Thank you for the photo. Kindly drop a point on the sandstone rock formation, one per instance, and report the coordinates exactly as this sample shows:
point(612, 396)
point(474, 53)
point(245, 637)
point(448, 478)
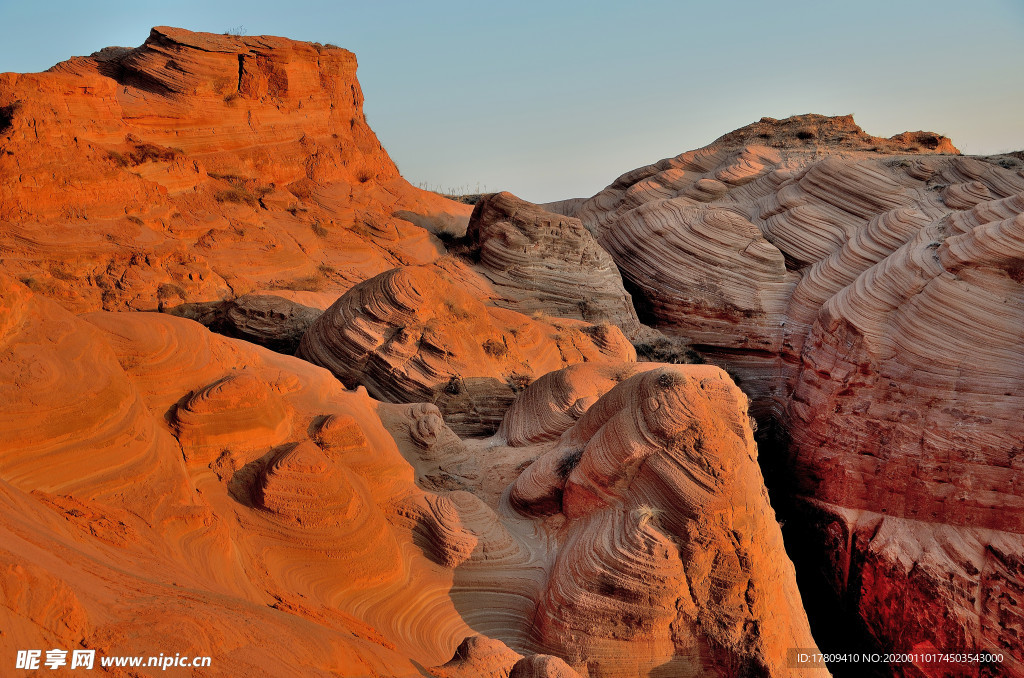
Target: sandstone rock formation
point(668, 539)
point(199, 494)
point(269, 320)
point(414, 334)
point(867, 294)
point(249, 543)
point(505, 491)
point(199, 167)
point(538, 261)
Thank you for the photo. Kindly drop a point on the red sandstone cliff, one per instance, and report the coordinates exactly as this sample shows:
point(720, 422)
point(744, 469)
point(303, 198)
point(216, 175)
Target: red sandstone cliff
point(200, 167)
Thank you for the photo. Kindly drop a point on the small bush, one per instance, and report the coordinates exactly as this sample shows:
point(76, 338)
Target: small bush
point(666, 349)
point(517, 382)
point(152, 152)
point(119, 159)
point(242, 190)
point(307, 284)
point(236, 195)
point(143, 153)
point(7, 115)
point(318, 229)
point(457, 311)
point(495, 348)
point(169, 291)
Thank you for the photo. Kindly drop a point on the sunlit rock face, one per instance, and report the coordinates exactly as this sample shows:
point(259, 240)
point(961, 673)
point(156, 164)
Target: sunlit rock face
point(465, 471)
point(201, 167)
point(867, 293)
point(416, 334)
point(296, 512)
point(669, 540)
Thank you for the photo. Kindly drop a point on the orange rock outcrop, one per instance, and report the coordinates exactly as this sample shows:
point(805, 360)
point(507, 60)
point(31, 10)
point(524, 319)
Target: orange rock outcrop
point(415, 334)
point(200, 167)
point(157, 477)
point(484, 481)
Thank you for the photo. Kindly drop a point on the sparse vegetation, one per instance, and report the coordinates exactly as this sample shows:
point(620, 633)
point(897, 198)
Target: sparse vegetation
point(454, 386)
point(466, 194)
point(666, 349)
point(318, 229)
point(34, 284)
point(170, 291)
point(456, 310)
point(242, 190)
point(143, 153)
point(236, 195)
point(310, 283)
point(517, 382)
point(495, 348)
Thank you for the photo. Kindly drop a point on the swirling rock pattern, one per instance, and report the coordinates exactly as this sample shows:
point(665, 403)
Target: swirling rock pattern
point(412, 334)
point(556, 401)
point(199, 167)
point(266, 319)
point(260, 516)
point(867, 294)
point(299, 517)
point(670, 542)
point(538, 261)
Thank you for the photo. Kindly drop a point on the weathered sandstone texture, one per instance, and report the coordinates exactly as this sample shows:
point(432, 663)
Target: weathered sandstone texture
point(415, 334)
point(200, 167)
point(269, 320)
point(669, 541)
point(163, 486)
point(539, 261)
point(867, 294)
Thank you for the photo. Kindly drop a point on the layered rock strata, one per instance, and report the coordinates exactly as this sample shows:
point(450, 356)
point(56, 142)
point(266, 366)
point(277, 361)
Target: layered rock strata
point(199, 167)
point(415, 334)
point(867, 294)
point(193, 492)
point(538, 261)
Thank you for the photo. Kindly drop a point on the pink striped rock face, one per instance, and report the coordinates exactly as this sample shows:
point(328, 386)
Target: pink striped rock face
point(867, 294)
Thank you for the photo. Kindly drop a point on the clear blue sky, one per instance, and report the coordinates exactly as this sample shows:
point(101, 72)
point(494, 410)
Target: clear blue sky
point(555, 99)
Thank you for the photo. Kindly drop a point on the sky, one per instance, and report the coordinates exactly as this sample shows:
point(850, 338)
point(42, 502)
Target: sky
point(553, 100)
